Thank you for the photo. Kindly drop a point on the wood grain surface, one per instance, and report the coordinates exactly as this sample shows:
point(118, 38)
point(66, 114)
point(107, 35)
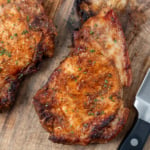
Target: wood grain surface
point(20, 128)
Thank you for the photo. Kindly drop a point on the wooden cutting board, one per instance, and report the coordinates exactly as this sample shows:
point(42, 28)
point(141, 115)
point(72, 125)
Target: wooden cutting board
point(20, 128)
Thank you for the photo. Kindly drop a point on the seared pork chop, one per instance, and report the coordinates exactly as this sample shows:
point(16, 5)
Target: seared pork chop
point(25, 35)
point(82, 100)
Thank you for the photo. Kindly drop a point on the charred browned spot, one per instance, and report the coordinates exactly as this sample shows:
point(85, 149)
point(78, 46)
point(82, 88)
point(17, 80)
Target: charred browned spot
point(63, 139)
point(83, 13)
point(97, 131)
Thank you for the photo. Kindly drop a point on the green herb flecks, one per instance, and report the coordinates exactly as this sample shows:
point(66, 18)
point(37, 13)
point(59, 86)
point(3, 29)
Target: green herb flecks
point(111, 98)
point(85, 125)
point(11, 37)
point(109, 75)
point(28, 19)
point(91, 32)
point(95, 100)
point(20, 76)
point(15, 34)
point(112, 19)
point(95, 25)
point(25, 32)
point(106, 81)
point(18, 8)
point(92, 50)
point(90, 114)
point(16, 62)
point(102, 112)
point(115, 41)
point(102, 98)
point(105, 85)
point(80, 69)
point(5, 52)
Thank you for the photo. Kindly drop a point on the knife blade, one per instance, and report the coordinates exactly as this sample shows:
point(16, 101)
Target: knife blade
point(140, 132)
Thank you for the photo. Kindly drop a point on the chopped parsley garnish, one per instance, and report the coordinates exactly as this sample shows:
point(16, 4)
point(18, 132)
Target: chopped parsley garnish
point(115, 40)
point(15, 34)
point(102, 112)
point(91, 114)
point(25, 32)
point(59, 70)
point(18, 8)
point(5, 52)
point(85, 125)
point(75, 80)
point(2, 42)
point(91, 32)
point(16, 62)
point(80, 69)
point(106, 81)
point(20, 76)
point(92, 50)
point(11, 37)
point(8, 1)
point(28, 19)
point(85, 72)
point(95, 100)
point(102, 97)
point(72, 132)
point(109, 75)
point(95, 25)
point(85, 103)
point(111, 98)
point(112, 19)
point(105, 85)
point(94, 62)
point(8, 54)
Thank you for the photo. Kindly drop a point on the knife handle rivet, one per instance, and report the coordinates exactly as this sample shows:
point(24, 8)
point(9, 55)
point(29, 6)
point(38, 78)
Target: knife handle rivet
point(134, 142)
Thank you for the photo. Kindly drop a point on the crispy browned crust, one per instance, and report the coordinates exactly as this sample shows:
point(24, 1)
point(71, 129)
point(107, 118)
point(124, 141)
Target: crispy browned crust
point(107, 17)
point(81, 102)
point(35, 26)
point(88, 8)
point(34, 8)
point(102, 132)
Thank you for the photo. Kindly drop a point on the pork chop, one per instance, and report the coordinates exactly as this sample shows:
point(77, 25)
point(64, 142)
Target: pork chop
point(25, 35)
point(82, 100)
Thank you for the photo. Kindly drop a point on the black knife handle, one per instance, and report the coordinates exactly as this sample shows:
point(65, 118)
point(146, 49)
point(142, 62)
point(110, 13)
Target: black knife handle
point(137, 137)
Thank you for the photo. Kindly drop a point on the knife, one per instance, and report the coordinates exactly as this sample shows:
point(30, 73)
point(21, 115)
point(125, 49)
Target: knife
point(140, 132)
